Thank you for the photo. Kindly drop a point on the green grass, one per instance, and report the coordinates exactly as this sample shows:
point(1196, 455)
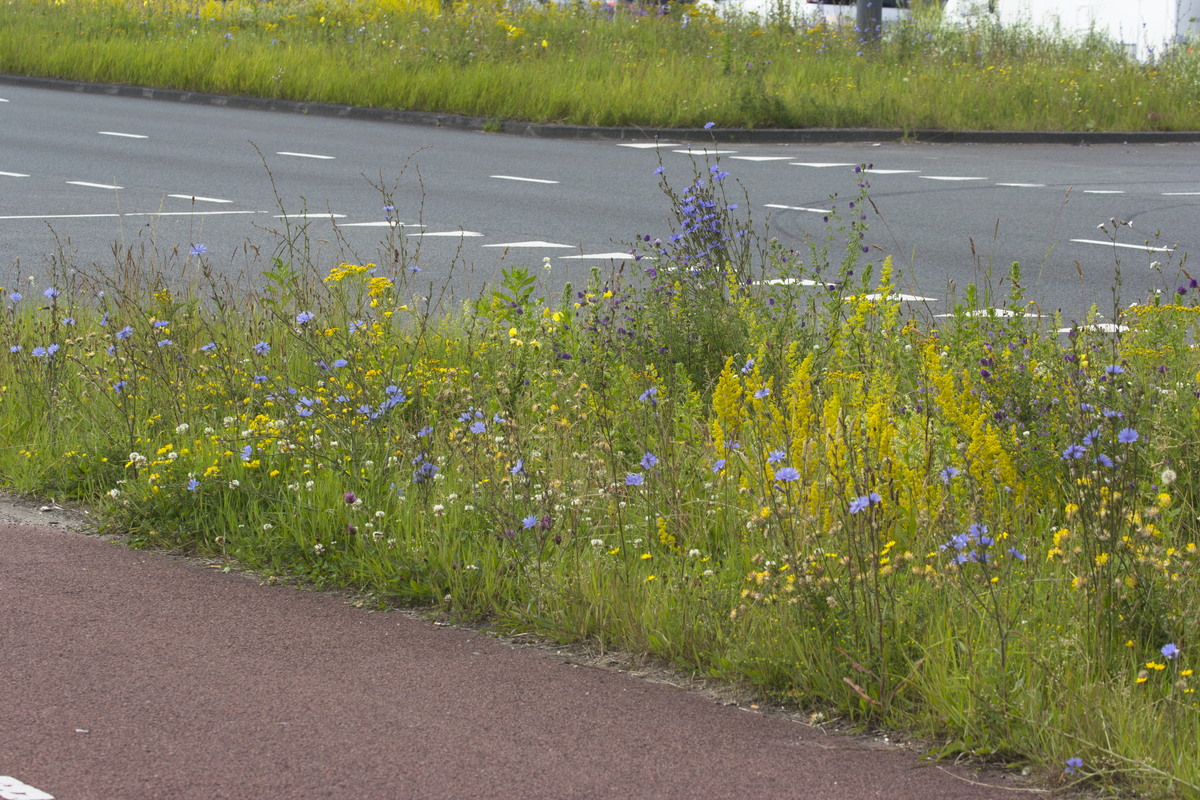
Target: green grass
point(587, 66)
point(976, 529)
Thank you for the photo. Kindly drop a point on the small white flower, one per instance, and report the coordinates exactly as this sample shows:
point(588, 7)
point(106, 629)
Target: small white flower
point(318, 548)
point(377, 535)
point(438, 508)
point(595, 542)
point(380, 515)
point(172, 455)
point(391, 543)
point(181, 428)
point(309, 485)
point(208, 431)
point(694, 553)
point(708, 573)
point(114, 493)
point(468, 507)
point(234, 484)
point(229, 421)
point(267, 526)
point(1168, 477)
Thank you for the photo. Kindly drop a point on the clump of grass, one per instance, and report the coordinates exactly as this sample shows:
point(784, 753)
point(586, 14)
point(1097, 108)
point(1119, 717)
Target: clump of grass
point(979, 528)
point(587, 64)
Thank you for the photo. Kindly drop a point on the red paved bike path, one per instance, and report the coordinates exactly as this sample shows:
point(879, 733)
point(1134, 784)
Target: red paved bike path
point(127, 674)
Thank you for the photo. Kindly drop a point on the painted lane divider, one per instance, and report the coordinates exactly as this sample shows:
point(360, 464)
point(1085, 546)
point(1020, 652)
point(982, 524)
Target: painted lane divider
point(465, 234)
point(305, 155)
point(760, 158)
point(648, 145)
point(13, 789)
point(1145, 248)
point(132, 214)
point(705, 151)
point(892, 171)
point(1103, 191)
point(515, 178)
point(59, 216)
point(305, 216)
point(612, 256)
point(950, 178)
point(383, 223)
point(95, 185)
point(801, 208)
point(529, 244)
point(1165, 194)
point(1023, 185)
point(821, 164)
point(14, 174)
point(199, 199)
point(2, 100)
point(125, 135)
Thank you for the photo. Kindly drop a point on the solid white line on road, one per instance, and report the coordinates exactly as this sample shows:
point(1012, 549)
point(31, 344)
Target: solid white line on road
point(892, 171)
point(529, 244)
point(381, 224)
point(1103, 191)
point(303, 216)
point(950, 178)
point(188, 213)
point(1165, 194)
point(13, 789)
point(820, 164)
point(14, 174)
point(648, 145)
point(125, 135)
point(95, 185)
point(761, 158)
point(613, 256)
point(515, 178)
point(198, 198)
point(801, 208)
point(1145, 248)
point(447, 233)
point(1023, 185)
point(305, 155)
point(60, 216)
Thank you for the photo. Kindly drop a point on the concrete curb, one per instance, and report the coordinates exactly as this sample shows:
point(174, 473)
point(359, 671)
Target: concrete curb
point(539, 131)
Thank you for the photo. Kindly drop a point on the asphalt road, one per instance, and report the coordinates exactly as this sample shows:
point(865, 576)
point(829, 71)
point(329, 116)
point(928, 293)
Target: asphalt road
point(132, 675)
point(485, 200)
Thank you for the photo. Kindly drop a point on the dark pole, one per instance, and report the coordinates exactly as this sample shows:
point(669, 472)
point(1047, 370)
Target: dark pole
point(870, 19)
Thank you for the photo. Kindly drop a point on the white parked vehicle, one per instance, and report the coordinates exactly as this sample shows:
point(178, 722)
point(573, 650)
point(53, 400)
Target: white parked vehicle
point(1144, 27)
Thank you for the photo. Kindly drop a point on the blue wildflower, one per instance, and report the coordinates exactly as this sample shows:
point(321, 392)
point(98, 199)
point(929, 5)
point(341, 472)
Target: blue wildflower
point(634, 479)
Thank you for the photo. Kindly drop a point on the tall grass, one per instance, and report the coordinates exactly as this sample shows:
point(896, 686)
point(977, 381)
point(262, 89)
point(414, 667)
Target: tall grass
point(591, 65)
point(755, 463)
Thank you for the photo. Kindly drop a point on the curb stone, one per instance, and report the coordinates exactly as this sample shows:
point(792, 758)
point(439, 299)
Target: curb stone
point(550, 131)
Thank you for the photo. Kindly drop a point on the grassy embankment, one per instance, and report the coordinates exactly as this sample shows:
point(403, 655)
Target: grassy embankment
point(982, 530)
point(589, 66)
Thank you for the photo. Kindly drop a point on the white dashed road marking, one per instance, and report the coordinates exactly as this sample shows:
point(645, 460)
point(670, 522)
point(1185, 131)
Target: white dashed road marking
point(447, 233)
point(1103, 191)
point(613, 256)
point(2, 100)
point(199, 199)
point(760, 158)
point(125, 135)
point(13, 789)
point(1145, 248)
point(705, 151)
point(801, 208)
point(187, 213)
point(529, 244)
point(950, 178)
point(14, 174)
point(303, 216)
point(95, 185)
point(892, 171)
point(515, 178)
point(1165, 194)
point(60, 216)
point(1023, 185)
point(305, 155)
point(820, 164)
point(381, 224)
point(648, 145)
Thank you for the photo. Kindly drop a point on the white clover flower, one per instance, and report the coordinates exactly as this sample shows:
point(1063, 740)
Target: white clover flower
point(234, 484)
point(468, 507)
point(438, 508)
point(376, 536)
point(309, 485)
point(1168, 476)
point(380, 515)
point(694, 553)
point(595, 542)
point(172, 455)
point(208, 431)
point(229, 421)
point(708, 573)
point(267, 526)
point(318, 548)
point(114, 493)
point(182, 428)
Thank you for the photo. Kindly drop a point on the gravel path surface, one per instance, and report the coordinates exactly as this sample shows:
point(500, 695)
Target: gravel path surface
point(127, 674)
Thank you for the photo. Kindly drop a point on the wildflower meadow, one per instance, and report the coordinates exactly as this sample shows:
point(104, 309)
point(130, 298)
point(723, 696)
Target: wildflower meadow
point(618, 63)
point(758, 464)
